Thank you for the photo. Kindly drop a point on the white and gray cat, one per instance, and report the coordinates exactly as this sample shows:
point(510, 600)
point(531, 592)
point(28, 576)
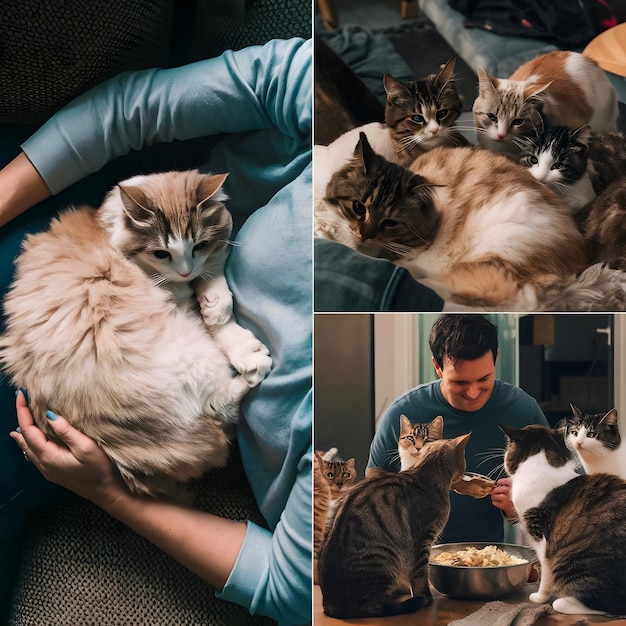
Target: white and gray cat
point(565, 87)
point(595, 438)
point(102, 328)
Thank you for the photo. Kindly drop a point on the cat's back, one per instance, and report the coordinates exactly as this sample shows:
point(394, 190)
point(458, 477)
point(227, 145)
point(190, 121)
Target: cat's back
point(578, 91)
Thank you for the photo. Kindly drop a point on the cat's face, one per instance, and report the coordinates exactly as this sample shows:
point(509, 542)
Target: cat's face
point(422, 113)
point(592, 434)
point(380, 208)
point(413, 437)
point(525, 443)
point(338, 474)
point(173, 225)
point(506, 110)
point(557, 156)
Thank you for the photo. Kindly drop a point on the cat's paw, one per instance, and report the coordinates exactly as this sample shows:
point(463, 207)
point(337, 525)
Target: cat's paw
point(252, 360)
point(539, 597)
point(216, 307)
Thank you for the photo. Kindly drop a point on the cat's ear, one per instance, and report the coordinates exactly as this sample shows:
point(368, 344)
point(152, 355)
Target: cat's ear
point(364, 152)
point(395, 90)
point(460, 443)
point(405, 425)
point(209, 186)
point(583, 135)
point(486, 82)
point(577, 412)
point(610, 419)
point(511, 432)
point(536, 92)
point(135, 204)
point(435, 428)
point(446, 74)
point(351, 464)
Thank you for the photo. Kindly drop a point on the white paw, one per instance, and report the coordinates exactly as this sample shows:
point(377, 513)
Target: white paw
point(538, 597)
point(216, 307)
point(252, 360)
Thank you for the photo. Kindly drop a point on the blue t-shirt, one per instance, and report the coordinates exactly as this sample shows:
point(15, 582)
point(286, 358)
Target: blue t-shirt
point(470, 519)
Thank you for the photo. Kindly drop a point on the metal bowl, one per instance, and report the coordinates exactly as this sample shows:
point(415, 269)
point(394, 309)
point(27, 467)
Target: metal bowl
point(480, 583)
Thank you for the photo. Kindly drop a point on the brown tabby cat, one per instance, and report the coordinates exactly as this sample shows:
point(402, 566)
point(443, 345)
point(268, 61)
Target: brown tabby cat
point(331, 479)
point(604, 229)
point(413, 437)
point(576, 523)
point(373, 561)
point(421, 115)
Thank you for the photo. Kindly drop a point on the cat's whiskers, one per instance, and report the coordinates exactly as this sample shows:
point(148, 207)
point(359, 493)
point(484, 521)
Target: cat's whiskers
point(159, 279)
point(412, 230)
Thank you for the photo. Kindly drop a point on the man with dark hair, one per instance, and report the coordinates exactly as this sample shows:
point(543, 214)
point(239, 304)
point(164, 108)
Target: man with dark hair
point(470, 399)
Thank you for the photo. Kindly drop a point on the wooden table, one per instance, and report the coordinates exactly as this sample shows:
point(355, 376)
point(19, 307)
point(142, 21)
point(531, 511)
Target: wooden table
point(445, 610)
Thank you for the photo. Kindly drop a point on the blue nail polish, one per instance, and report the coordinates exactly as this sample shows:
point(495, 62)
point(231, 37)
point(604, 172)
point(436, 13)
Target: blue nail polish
point(51, 415)
point(24, 392)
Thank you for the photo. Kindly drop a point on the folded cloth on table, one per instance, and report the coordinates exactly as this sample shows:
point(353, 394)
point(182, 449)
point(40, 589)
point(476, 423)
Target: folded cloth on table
point(499, 613)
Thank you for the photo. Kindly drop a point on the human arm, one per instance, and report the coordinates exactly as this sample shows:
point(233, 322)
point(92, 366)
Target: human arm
point(21, 187)
point(206, 544)
point(384, 446)
point(263, 87)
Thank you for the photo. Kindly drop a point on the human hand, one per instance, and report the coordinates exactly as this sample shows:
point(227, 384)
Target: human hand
point(80, 465)
point(501, 498)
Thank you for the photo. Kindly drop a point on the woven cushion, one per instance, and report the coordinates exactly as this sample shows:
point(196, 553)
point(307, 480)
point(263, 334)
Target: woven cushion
point(83, 568)
point(52, 51)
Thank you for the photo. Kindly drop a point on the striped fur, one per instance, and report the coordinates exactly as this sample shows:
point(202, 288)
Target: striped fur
point(414, 436)
point(373, 561)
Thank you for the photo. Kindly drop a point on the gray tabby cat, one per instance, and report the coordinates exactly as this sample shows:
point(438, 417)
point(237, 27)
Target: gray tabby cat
point(374, 559)
point(576, 524)
point(101, 328)
point(596, 440)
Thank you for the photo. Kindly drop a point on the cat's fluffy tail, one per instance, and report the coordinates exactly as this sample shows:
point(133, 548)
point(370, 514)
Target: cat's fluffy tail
point(598, 288)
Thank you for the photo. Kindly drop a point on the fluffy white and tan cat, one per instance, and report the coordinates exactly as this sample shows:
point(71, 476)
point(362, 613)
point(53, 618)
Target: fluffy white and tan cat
point(91, 335)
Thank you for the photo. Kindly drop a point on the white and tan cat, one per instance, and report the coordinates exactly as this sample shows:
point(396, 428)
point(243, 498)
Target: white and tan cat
point(101, 328)
point(567, 88)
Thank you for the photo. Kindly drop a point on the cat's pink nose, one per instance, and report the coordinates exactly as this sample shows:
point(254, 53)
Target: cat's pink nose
point(183, 275)
point(435, 130)
point(501, 136)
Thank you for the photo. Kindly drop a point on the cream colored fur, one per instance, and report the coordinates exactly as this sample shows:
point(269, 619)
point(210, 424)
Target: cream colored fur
point(91, 337)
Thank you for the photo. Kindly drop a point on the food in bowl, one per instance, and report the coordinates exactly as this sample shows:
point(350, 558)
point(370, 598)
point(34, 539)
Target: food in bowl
point(471, 556)
point(491, 582)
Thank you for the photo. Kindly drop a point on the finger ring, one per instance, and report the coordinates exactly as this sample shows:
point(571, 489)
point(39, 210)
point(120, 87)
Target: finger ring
point(25, 453)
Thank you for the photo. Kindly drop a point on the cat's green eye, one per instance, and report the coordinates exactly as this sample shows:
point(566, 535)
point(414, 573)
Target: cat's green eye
point(162, 254)
point(418, 118)
point(359, 208)
point(518, 121)
point(557, 166)
point(441, 115)
point(200, 246)
point(534, 160)
point(591, 434)
point(492, 117)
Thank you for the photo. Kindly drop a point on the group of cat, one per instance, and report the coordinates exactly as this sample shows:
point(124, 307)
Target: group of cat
point(121, 321)
point(532, 218)
point(373, 543)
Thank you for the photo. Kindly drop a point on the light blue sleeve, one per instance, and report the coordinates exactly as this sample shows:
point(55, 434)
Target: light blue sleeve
point(251, 89)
